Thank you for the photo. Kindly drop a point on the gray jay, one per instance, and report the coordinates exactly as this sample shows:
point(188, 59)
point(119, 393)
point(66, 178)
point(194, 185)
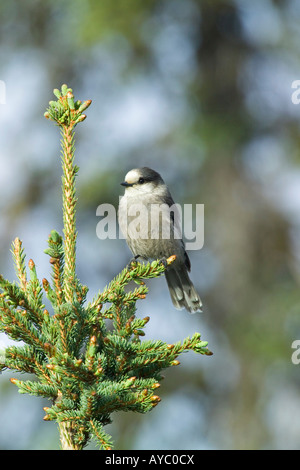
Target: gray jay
point(149, 220)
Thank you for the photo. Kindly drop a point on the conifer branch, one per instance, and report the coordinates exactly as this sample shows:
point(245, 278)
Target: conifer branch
point(89, 360)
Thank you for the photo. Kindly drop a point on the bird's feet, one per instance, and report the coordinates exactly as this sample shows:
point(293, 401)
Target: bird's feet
point(133, 262)
point(164, 262)
point(167, 261)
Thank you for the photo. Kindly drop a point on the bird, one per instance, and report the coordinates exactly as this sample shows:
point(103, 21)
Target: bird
point(149, 221)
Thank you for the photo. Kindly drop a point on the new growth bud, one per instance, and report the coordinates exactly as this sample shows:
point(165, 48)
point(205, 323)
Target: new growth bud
point(31, 264)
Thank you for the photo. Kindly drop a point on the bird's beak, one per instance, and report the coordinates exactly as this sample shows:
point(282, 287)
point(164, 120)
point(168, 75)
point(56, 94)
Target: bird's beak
point(126, 184)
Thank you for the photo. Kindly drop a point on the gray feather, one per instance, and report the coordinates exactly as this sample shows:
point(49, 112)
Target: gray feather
point(182, 290)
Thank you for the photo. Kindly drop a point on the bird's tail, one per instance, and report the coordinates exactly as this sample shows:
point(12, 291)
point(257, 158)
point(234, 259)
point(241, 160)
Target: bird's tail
point(182, 290)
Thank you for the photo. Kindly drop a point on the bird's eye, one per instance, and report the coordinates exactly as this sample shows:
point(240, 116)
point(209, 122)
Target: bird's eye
point(141, 181)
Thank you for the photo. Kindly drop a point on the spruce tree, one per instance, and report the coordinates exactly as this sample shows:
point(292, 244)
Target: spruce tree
point(88, 358)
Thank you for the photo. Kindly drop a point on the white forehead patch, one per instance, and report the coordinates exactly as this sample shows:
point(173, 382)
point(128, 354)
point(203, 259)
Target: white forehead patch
point(132, 176)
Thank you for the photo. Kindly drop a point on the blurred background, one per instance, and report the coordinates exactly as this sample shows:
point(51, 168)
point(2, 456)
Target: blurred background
point(201, 92)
